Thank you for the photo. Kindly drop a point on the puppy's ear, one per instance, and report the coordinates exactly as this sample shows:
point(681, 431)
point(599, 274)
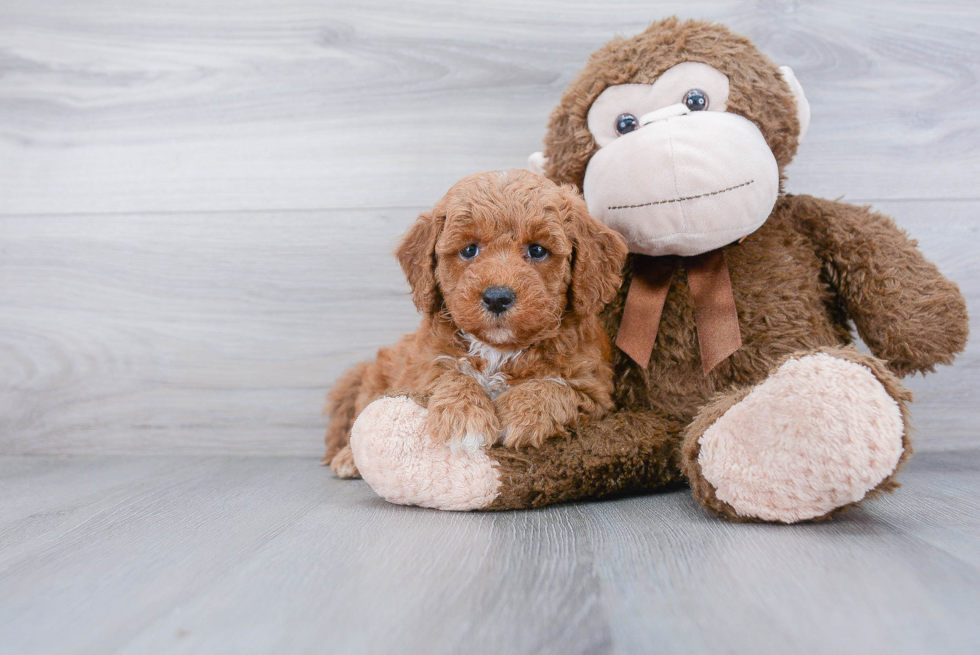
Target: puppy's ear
point(417, 255)
point(598, 258)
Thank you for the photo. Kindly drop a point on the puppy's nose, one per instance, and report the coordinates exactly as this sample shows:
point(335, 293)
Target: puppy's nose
point(498, 299)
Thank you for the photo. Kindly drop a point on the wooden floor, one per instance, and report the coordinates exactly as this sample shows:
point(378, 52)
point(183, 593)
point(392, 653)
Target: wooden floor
point(272, 555)
point(198, 205)
point(199, 200)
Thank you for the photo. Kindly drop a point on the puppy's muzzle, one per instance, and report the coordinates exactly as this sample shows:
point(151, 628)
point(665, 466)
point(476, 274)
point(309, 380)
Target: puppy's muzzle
point(498, 300)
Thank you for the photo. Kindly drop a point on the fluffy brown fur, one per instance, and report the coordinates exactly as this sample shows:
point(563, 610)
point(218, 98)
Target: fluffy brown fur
point(757, 91)
point(522, 376)
point(816, 270)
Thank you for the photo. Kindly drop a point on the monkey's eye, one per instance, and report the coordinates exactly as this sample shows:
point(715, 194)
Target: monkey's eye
point(626, 123)
point(696, 100)
point(470, 251)
point(534, 251)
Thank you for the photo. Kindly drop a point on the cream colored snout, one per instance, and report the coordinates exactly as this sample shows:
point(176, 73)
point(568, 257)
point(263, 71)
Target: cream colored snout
point(684, 182)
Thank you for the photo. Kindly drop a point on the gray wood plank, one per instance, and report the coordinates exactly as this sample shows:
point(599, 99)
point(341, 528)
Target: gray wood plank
point(220, 333)
point(41, 499)
point(356, 570)
point(945, 510)
point(243, 555)
point(221, 105)
point(224, 331)
point(179, 528)
point(405, 580)
point(849, 586)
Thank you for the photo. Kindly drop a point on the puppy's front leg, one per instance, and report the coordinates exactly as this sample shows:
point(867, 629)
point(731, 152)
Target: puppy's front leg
point(461, 414)
point(535, 410)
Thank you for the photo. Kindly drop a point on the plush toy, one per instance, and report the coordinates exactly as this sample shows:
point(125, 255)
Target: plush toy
point(735, 369)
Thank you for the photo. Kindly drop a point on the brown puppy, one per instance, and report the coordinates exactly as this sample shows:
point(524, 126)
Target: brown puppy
point(509, 272)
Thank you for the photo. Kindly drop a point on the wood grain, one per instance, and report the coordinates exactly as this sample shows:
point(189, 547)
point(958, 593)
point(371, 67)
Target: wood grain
point(259, 555)
point(202, 331)
point(245, 105)
point(944, 512)
point(184, 265)
point(220, 333)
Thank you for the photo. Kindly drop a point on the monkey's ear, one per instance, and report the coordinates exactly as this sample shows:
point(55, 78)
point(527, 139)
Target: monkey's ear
point(417, 255)
point(802, 105)
point(598, 256)
point(536, 163)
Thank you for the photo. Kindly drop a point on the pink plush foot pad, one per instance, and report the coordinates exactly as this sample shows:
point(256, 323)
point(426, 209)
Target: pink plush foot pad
point(818, 434)
point(395, 456)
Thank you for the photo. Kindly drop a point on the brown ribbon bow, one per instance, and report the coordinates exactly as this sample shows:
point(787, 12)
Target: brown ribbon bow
point(711, 293)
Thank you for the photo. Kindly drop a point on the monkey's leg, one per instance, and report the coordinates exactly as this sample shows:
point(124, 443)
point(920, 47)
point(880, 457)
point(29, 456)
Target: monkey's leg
point(625, 452)
point(823, 431)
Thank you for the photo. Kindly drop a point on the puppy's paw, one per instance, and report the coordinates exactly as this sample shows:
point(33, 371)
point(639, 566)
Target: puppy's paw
point(530, 432)
point(462, 424)
point(523, 422)
point(343, 464)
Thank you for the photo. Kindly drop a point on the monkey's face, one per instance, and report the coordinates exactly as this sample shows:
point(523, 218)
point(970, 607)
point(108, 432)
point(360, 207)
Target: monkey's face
point(677, 137)
point(676, 174)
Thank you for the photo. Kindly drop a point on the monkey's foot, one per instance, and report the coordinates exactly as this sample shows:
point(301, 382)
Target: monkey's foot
point(819, 433)
point(398, 459)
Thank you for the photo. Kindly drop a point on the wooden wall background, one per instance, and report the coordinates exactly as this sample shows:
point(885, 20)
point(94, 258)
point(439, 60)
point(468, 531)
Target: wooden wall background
point(199, 199)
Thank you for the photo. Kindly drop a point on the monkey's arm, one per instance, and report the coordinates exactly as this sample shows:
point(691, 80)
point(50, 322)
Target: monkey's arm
point(905, 310)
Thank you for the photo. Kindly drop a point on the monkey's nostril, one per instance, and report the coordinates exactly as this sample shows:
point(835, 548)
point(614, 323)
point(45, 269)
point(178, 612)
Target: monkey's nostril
point(498, 299)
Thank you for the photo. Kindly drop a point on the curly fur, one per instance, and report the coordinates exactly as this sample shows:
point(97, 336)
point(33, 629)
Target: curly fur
point(521, 376)
point(757, 91)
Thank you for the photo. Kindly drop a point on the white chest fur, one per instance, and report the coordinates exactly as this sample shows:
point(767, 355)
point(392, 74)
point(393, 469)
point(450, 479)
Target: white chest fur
point(490, 376)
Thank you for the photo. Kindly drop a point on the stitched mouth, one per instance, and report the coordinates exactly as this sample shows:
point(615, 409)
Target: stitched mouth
point(666, 202)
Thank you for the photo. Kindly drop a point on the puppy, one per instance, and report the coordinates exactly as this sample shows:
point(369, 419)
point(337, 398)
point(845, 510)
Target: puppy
point(510, 273)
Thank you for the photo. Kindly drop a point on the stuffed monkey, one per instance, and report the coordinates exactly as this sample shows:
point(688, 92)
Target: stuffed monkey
point(735, 369)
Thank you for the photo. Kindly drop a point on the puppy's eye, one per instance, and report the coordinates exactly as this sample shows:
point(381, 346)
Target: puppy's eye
point(470, 251)
point(626, 123)
point(534, 251)
point(696, 100)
